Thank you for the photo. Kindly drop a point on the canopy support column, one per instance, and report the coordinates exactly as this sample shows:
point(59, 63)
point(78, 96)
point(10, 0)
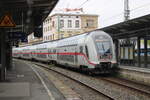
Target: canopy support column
point(3, 56)
point(139, 51)
point(145, 52)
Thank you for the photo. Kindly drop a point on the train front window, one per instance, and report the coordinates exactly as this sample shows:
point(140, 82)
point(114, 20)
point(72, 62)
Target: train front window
point(104, 49)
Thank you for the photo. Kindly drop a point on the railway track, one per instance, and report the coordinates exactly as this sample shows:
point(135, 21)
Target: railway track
point(144, 91)
point(129, 85)
point(78, 81)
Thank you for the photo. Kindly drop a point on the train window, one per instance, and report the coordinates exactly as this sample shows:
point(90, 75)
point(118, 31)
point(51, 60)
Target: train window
point(49, 50)
point(104, 47)
point(54, 50)
point(81, 49)
point(86, 50)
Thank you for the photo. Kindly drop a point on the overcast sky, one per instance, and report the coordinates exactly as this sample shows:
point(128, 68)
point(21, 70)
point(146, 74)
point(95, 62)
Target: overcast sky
point(109, 11)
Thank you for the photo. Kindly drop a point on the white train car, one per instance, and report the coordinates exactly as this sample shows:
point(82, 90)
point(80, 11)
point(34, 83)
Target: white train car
point(33, 52)
point(45, 52)
point(93, 51)
point(26, 52)
point(40, 52)
point(51, 50)
point(15, 53)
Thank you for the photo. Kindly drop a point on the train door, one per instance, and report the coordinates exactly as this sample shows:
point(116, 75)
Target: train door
point(84, 54)
point(49, 54)
point(76, 56)
point(80, 55)
point(86, 51)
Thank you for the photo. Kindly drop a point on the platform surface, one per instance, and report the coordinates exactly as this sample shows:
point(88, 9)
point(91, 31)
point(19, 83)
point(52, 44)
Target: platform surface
point(134, 68)
point(22, 83)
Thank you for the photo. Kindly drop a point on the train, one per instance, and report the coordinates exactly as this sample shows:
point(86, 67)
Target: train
point(91, 51)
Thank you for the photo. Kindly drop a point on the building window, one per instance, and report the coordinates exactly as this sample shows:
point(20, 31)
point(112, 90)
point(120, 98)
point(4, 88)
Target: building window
point(69, 23)
point(70, 35)
point(48, 28)
point(61, 23)
point(48, 20)
point(53, 23)
point(77, 23)
point(77, 16)
point(61, 36)
point(53, 37)
point(89, 23)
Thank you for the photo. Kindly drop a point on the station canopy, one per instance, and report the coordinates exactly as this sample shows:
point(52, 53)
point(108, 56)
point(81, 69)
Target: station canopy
point(131, 28)
point(27, 14)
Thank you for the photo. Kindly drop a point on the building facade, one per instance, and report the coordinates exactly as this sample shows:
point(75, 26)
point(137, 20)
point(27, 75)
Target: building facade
point(32, 39)
point(63, 25)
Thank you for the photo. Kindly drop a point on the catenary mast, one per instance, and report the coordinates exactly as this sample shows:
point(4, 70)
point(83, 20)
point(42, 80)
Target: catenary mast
point(126, 10)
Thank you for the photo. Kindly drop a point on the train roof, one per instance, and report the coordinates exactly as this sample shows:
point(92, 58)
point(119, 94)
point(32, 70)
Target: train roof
point(88, 32)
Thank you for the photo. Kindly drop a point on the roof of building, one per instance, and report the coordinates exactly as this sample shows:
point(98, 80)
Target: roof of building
point(72, 14)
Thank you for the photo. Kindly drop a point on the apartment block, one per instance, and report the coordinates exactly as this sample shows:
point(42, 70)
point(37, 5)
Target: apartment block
point(61, 25)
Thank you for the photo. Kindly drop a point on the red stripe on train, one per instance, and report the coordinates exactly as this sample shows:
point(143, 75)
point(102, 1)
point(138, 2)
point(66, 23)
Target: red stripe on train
point(68, 53)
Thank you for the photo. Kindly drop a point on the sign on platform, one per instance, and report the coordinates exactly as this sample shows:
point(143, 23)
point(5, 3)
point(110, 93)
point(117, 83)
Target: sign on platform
point(7, 21)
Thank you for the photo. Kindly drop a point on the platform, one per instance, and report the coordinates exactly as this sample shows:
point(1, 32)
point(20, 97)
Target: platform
point(138, 74)
point(22, 83)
